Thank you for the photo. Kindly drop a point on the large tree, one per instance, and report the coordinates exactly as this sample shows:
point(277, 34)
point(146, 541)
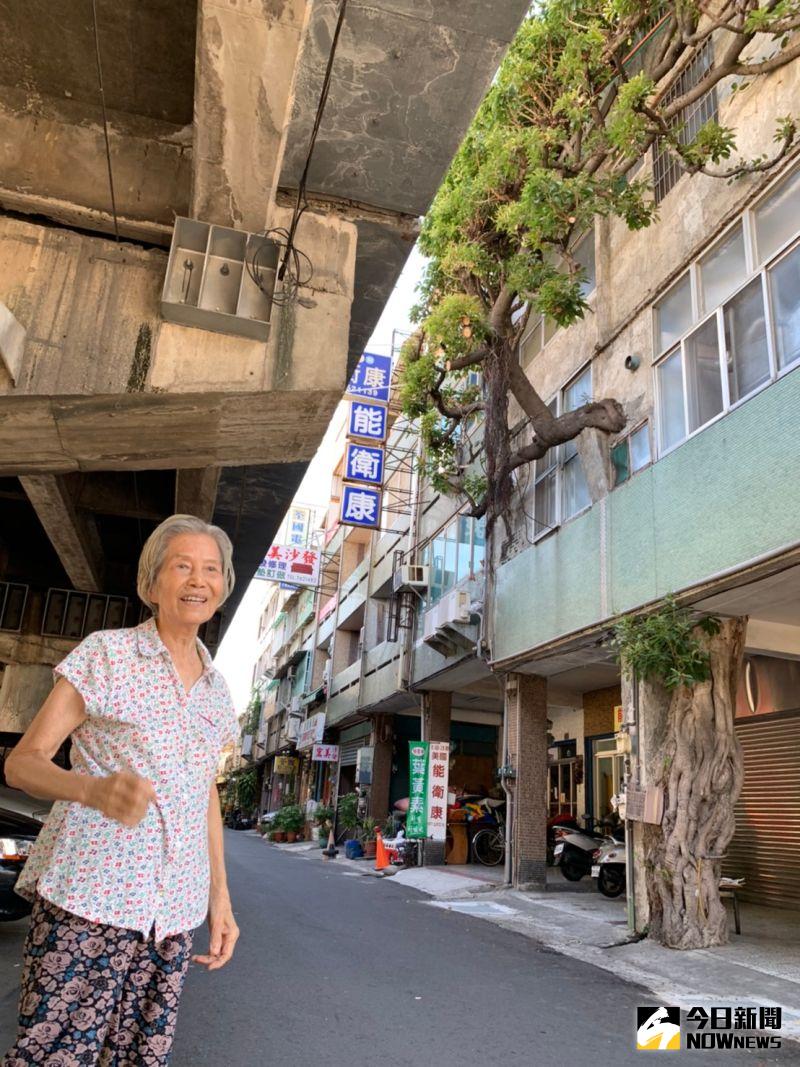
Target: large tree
point(587, 88)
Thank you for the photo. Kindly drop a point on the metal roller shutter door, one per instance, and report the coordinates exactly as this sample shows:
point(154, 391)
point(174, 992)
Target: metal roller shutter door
point(766, 846)
point(347, 751)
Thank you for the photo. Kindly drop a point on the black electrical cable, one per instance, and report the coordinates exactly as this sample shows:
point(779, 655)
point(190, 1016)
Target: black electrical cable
point(105, 117)
point(301, 203)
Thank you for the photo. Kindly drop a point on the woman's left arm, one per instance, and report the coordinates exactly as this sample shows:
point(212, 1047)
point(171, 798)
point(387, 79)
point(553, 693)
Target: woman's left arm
point(222, 928)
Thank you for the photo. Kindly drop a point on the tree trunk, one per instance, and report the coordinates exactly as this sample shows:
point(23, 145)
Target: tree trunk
point(701, 775)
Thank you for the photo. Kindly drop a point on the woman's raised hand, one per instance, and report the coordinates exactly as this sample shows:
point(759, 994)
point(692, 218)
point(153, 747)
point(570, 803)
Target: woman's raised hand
point(123, 796)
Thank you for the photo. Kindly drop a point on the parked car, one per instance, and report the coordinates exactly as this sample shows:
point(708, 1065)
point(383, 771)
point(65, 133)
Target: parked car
point(20, 803)
point(17, 834)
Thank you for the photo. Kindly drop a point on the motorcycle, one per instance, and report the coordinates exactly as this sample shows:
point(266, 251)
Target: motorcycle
point(574, 849)
point(608, 867)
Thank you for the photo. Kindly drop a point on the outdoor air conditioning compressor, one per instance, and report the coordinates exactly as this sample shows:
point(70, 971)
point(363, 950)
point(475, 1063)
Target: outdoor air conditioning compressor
point(410, 576)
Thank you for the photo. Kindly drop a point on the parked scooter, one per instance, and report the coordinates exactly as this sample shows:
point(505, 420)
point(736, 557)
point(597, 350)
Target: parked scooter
point(574, 849)
point(608, 867)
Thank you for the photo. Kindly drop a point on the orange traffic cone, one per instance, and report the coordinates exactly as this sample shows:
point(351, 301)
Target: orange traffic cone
point(381, 855)
point(331, 852)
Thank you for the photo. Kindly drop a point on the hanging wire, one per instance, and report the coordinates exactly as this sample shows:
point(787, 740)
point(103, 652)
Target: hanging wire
point(105, 118)
point(302, 204)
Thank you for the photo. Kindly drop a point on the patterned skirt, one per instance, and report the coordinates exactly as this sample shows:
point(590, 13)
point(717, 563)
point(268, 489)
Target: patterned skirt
point(96, 995)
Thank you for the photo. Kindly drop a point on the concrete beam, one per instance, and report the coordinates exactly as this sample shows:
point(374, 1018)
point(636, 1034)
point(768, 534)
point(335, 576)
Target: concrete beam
point(54, 164)
point(23, 690)
point(196, 491)
point(244, 77)
point(73, 537)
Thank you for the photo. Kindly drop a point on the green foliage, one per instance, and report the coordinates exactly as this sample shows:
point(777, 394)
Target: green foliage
point(348, 811)
point(292, 818)
point(664, 646)
point(324, 815)
point(247, 789)
point(368, 829)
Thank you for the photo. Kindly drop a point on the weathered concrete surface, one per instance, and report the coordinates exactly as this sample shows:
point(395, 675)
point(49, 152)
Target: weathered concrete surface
point(246, 60)
point(73, 536)
point(12, 343)
point(23, 690)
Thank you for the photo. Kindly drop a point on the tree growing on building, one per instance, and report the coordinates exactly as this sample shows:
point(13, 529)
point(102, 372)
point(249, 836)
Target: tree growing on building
point(588, 88)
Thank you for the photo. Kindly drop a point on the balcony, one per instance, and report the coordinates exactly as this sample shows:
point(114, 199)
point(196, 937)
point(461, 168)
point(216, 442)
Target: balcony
point(343, 697)
point(353, 597)
point(714, 503)
point(381, 683)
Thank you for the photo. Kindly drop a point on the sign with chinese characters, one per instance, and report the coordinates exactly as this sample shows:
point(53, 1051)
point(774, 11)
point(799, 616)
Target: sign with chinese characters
point(417, 818)
point(286, 765)
point(367, 420)
point(372, 377)
point(298, 525)
point(363, 464)
point(325, 753)
point(287, 563)
point(311, 730)
point(360, 506)
point(438, 769)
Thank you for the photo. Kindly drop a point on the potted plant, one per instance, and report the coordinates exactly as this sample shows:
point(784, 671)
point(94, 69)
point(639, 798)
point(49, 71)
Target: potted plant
point(348, 812)
point(277, 828)
point(323, 819)
point(293, 819)
point(368, 835)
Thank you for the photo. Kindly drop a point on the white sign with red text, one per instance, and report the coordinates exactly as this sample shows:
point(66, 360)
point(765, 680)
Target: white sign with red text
point(438, 773)
point(325, 753)
point(287, 563)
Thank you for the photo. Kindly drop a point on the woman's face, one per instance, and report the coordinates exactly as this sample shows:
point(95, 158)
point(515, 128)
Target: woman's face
point(190, 585)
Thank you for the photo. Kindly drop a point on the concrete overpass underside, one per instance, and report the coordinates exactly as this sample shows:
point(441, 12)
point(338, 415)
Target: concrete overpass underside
point(111, 417)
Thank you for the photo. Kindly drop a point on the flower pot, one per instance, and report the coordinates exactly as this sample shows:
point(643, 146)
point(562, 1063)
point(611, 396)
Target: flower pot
point(291, 837)
point(278, 836)
point(369, 849)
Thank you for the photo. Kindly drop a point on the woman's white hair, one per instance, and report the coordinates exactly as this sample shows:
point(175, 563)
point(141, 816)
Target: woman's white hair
point(155, 550)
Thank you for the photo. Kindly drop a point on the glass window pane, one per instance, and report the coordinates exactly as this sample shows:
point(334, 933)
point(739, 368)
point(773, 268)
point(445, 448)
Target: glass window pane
point(478, 544)
point(670, 408)
point(532, 341)
point(674, 314)
point(575, 492)
point(437, 568)
point(463, 531)
point(584, 254)
point(620, 463)
point(544, 504)
point(746, 341)
point(777, 217)
point(449, 558)
point(785, 288)
point(640, 448)
point(704, 382)
point(579, 390)
point(550, 329)
point(723, 269)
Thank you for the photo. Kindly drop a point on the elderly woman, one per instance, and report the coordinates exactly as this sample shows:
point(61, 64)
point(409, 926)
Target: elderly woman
point(130, 860)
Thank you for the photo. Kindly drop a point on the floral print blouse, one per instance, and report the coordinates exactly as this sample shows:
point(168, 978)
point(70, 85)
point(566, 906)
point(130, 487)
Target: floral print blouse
point(139, 718)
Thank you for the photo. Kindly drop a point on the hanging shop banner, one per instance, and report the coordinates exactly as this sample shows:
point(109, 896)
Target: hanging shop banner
point(325, 753)
point(311, 730)
point(364, 464)
point(372, 377)
point(367, 420)
point(285, 563)
point(286, 765)
point(360, 506)
point(417, 818)
point(438, 773)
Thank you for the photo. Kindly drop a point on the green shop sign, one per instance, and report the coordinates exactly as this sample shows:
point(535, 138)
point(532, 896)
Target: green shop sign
point(417, 818)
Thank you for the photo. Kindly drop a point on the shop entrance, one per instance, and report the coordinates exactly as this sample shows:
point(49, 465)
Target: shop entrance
point(608, 770)
point(563, 779)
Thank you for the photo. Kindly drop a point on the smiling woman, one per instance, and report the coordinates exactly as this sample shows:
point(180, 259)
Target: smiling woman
point(130, 860)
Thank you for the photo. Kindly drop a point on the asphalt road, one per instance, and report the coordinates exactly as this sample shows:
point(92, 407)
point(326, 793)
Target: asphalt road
point(338, 969)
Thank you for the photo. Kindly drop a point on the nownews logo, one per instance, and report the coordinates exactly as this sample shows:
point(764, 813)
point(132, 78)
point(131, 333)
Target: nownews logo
point(659, 1029)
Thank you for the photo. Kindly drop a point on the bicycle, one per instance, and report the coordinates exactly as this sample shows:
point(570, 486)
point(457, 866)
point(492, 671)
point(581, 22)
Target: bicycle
point(489, 843)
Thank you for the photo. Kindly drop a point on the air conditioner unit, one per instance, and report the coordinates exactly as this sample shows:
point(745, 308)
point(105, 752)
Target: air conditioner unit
point(291, 673)
point(410, 576)
point(453, 608)
point(326, 672)
point(295, 706)
point(361, 636)
point(429, 623)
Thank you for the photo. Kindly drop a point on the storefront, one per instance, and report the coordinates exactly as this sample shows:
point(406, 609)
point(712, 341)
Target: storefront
point(474, 757)
point(765, 849)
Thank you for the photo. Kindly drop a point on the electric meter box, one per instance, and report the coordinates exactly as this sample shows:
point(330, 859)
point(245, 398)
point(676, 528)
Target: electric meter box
point(209, 285)
point(364, 759)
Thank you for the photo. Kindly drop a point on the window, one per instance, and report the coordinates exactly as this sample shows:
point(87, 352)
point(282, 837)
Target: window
point(674, 314)
point(631, 454)
point(722, 269)
point(776, 217)
point(463, 528)
point(560, 489)
point(584, 255)
point(666, 168)
point(542, 329)
point(752, 332)
point(453, 554)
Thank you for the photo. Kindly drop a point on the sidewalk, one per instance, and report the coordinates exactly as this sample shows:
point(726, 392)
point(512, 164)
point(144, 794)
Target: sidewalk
point(760, 967)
